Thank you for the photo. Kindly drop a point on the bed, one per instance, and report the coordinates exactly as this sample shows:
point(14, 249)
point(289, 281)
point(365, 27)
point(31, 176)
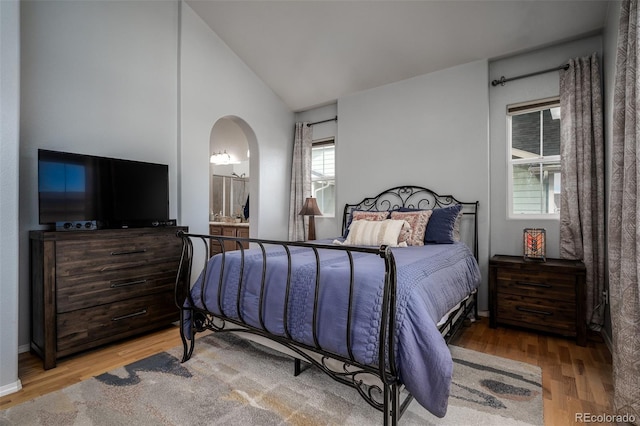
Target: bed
point(374, 317)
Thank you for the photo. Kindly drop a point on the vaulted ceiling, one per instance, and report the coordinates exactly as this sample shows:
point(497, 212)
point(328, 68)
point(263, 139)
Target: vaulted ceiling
point(313, 52)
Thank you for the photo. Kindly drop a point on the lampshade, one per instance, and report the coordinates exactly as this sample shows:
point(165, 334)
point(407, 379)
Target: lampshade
point(310, 208)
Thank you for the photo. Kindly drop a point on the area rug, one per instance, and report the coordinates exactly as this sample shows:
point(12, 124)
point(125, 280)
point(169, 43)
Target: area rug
point(230, 381)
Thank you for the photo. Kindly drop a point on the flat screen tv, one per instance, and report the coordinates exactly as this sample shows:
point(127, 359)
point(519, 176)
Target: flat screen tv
point(112, 192)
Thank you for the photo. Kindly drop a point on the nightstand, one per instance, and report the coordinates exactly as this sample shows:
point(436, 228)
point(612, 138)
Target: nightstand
point(545, 296)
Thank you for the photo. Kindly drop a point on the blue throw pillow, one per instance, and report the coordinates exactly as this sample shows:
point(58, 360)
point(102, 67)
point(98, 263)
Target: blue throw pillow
point(441, 225)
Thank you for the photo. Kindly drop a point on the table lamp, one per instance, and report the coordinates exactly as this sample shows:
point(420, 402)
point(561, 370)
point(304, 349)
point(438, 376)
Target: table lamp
point(311, 209)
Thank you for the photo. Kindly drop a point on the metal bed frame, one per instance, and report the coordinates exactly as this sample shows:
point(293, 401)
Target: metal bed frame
point(379, 384)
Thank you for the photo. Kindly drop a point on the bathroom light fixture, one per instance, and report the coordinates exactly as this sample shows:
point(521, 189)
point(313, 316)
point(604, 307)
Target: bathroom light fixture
point(222, 158)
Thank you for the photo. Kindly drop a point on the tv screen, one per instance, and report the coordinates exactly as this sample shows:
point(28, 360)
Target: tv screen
point(116, 193)
point(66, 187)
point(140, 192)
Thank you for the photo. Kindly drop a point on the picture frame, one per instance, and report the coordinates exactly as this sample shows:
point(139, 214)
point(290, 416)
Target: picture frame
point(534, 244)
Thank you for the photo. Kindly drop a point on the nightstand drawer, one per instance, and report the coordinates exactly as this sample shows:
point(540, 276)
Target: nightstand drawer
point(544, 314)
point(536, 284)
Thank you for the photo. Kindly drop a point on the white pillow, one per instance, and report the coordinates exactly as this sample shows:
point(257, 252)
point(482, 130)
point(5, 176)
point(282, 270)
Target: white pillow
point(375, 233)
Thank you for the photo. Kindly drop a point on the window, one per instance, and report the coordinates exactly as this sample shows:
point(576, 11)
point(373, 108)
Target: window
point(323, 175)
point(534, 158)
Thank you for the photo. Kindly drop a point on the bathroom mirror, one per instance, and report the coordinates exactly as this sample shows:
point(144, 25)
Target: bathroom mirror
point(229, 196)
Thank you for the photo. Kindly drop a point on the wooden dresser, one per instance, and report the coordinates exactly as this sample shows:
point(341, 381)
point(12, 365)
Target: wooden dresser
point(224, 229)
point(89, 288)
point(546, 296)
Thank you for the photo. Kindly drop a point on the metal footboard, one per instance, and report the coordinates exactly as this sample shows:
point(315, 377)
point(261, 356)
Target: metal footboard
point(378, 385)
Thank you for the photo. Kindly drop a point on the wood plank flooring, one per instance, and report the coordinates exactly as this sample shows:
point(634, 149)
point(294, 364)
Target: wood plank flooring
point(575, 379)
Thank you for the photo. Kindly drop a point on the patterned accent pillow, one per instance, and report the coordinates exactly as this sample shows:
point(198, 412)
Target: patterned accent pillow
point(364, 215)
point(418, 221)
point(375, 233)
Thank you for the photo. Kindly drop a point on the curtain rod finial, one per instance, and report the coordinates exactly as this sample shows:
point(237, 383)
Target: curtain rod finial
point(501, 82)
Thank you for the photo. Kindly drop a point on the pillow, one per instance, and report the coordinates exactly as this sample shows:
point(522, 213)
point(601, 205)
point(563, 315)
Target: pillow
point(364, 215)
point(375, 233)
point(373, 216)
point(405, 234)
point(440, 229)
point(418, 221)
point(456, 227)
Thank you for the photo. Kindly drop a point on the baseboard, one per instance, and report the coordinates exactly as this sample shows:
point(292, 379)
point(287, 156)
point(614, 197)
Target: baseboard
point(11, 388)
point(483, 314)
point(24, 348)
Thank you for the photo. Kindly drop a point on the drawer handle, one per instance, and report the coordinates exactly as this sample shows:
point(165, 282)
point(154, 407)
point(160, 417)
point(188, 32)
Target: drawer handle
point(121, 253)
point(135, 314)
point(119, 266)
point(530, 284)
point(116, 285)
point(533, 311)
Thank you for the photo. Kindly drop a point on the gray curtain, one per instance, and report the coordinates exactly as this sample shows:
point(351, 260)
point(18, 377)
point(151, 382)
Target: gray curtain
point(300, 180)
point(624, 218)
point(582, 204)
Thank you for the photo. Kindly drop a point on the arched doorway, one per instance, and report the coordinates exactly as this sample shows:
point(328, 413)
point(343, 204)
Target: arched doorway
point(232, 150)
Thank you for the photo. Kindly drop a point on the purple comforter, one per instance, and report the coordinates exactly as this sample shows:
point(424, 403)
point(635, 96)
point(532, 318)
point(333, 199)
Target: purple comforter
point(431, 279)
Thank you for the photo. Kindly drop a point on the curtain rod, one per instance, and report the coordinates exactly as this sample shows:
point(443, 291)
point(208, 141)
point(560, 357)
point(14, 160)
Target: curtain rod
point(503, 80)
point(323, 121)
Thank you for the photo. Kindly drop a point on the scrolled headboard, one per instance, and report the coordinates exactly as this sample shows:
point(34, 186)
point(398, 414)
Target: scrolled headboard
point(416, 197)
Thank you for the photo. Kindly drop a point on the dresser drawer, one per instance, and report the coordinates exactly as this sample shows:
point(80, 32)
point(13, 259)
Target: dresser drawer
point(83, 291)
point(536, 284)
point(85, 328)
point(111, 254)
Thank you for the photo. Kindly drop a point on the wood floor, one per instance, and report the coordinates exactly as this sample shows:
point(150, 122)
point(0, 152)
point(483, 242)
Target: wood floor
point(574, 379)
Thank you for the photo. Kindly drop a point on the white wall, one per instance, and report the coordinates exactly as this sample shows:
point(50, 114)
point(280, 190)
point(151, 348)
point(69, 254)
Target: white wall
point(430, 130)
point(215, 83)
point(9, 154)
point(506, 234)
